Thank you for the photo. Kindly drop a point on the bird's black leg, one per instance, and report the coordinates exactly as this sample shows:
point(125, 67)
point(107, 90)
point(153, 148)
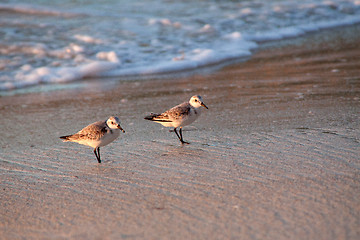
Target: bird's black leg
point(99, 160)
point(177, 134)
point(97, 154)
point(181, 137)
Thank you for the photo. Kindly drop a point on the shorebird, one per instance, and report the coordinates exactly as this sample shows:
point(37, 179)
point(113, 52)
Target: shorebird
point(180, 115)
point(97, 134)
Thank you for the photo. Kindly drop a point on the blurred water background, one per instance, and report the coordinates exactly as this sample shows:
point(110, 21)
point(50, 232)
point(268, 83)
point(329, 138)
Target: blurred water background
point(65, 40)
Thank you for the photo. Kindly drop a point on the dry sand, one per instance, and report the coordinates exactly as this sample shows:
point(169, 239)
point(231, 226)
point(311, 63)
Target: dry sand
point(276, 156)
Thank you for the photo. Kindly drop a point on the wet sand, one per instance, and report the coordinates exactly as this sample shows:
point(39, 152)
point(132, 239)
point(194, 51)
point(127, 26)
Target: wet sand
point(276, 156)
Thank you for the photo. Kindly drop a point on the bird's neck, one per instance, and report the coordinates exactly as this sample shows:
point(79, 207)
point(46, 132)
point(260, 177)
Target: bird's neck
point(197, 111)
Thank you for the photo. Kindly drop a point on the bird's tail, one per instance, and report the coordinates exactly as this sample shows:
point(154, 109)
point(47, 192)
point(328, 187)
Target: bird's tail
point(157, 118)
point(151, 116)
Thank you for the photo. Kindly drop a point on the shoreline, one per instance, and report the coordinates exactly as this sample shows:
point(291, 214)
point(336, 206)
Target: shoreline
point(318, 36)
point(274, 157)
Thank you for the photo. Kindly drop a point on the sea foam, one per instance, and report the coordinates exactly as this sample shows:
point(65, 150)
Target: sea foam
point(65, 41)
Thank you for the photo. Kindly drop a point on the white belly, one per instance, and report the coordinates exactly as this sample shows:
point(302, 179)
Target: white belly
point(105, 140)
point(183, 121)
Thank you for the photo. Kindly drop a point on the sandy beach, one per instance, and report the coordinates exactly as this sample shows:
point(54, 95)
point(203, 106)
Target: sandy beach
point(276, 155)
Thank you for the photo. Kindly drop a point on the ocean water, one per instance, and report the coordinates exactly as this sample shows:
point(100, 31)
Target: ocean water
point(59, 41)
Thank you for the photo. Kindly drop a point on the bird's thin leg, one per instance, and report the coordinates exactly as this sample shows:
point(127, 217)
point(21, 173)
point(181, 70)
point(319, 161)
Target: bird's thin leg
point(99, 155)
point(177, 134)
point(181, 137)
point(96, 154)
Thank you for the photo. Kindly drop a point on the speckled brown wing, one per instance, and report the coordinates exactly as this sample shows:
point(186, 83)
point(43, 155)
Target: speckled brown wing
point(94, 131)
point(178, 111)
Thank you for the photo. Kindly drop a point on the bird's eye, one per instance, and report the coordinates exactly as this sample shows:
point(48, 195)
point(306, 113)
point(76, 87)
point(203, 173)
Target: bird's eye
point(112, 122)
point(195, 100)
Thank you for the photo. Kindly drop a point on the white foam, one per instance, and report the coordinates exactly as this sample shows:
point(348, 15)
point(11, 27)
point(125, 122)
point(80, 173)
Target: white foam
point(87, 39)
point(35, 10)
point(299, 30)
point(115, 40)
point(108, 56)
point(207, 28)
point(237, 47)
point(30, 77)
point(164, 22)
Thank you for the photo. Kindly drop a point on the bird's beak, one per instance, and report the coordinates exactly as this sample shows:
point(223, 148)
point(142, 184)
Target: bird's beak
point(202, 104)
point(119, 127)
